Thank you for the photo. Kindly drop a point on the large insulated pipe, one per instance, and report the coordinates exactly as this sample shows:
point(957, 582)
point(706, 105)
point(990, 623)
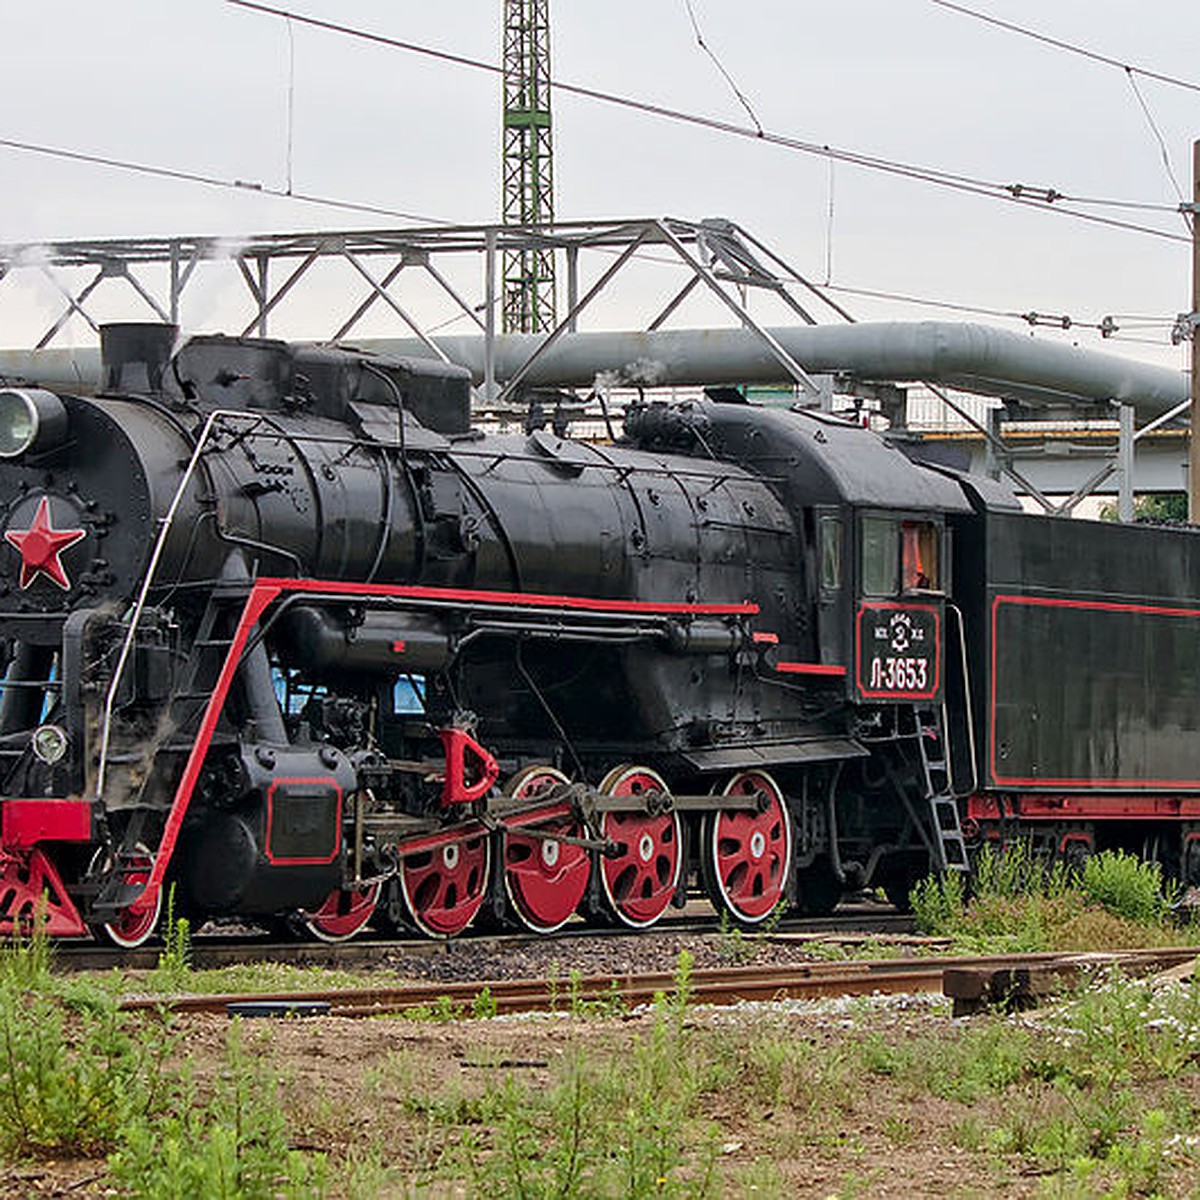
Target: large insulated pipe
point(977, 358)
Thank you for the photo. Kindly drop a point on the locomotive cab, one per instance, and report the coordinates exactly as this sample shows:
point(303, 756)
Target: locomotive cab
point(899, 607)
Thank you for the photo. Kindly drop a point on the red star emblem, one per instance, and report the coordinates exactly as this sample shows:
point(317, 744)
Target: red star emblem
point(41, 545)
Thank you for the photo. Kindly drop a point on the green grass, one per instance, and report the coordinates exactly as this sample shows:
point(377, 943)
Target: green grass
point(79, 1078)
point(1018, 903)
point(1097, 1096)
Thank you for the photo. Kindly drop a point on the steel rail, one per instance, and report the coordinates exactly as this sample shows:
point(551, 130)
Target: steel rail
point(720, 986)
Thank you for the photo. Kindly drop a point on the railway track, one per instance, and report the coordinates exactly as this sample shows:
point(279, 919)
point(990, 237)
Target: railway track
point(716, 986)
point(224, 949)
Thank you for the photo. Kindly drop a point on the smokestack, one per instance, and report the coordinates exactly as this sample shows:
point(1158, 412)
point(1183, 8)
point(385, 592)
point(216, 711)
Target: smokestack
point(134, 354)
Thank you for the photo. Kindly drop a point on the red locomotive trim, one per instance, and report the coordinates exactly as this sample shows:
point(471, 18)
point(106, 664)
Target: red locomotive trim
point(798, 668)
point(304, 861)
point(24, 823)
point(929, 693)
point(265, 592)
point(465, 756)
point(1084, 806)
point(522, 599)
point(765, 639)
point(31, 888)
point(1107, 785)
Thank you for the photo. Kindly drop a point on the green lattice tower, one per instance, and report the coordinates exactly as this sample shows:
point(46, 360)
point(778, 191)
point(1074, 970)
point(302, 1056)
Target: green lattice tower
point(527, 168)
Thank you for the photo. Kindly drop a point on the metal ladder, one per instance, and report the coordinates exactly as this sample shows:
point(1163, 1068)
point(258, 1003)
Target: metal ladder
point(934, 753)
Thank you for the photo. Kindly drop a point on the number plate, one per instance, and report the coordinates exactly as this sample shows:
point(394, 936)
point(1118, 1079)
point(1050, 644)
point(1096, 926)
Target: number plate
point(898, 651)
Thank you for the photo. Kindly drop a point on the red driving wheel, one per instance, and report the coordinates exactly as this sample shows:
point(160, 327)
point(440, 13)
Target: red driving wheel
point(344, 912)
point(640, 879)
point(544, 879)
point(444, 888)
point(133, 926)
point(747, 854)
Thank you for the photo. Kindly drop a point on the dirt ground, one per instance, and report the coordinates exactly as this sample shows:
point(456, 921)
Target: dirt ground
point(805, 1098)
point(351, 1082)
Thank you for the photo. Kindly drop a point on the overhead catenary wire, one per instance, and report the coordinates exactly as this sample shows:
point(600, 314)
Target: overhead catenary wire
point(1130, 71)
point(1108, 326)
point(1162, 145)
point(1070, 47)
point(1042, 199)
point(737, 91)
point(236, 185)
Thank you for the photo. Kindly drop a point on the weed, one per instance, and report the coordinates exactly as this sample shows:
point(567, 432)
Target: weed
point(938, 904)
point(610, 1123)
point(881, 1056)
point(1126, 886)
point(484, 1006)
point(898, 1130)
point(365, 1175)
point(853, 1184)
point(174, 967)
point(733, 946)
point(759, 1178)
point(232, 1144)
point(1014, 870)
point(610, 1003)
point(1021, 903)
point(73, 1073)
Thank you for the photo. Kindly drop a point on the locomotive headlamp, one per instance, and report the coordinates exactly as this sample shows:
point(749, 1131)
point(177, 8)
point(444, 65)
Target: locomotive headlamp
point(29, 418)
point(49, 743)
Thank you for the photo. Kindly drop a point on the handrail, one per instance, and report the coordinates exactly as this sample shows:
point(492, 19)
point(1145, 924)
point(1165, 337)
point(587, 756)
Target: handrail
point(967, 709)
point(164, 528)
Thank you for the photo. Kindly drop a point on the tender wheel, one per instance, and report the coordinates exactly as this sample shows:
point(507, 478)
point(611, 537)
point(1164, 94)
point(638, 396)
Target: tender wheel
point(747, 856)
point(543, 880)
point(135, 926)
point(818, 889)
point(344, 912)
point(639, 881)
point(443, 889)
point(897, 889)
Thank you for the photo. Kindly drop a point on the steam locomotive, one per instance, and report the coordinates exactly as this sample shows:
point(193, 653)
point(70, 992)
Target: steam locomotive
point(286, 637)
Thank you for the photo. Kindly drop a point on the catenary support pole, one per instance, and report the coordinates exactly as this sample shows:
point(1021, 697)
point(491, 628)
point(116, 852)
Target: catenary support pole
point(1125, 453)
point(1194, 441)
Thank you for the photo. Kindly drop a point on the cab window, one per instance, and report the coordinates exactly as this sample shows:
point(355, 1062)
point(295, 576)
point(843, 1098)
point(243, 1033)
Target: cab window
point(831, 553)
point(919, 541)
point(880, 556)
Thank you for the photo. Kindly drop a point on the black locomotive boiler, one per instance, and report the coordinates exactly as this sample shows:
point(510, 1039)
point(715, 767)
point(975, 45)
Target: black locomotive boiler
point(284, 633)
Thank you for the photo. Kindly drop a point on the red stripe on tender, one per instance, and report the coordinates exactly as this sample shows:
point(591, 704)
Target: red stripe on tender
point(1085, 805)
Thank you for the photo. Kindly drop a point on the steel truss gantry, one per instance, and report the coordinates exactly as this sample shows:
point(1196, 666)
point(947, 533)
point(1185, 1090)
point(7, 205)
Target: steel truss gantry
point(716, 256)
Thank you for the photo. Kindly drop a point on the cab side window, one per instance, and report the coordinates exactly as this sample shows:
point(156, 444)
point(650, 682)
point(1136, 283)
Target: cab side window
point(880, 556)
point(831, 553)
point(919, 542)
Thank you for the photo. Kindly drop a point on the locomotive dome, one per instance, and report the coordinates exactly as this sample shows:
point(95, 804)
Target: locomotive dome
point(817, 458)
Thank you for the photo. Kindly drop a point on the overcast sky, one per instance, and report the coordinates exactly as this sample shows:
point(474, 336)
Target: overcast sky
point(202, 86)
